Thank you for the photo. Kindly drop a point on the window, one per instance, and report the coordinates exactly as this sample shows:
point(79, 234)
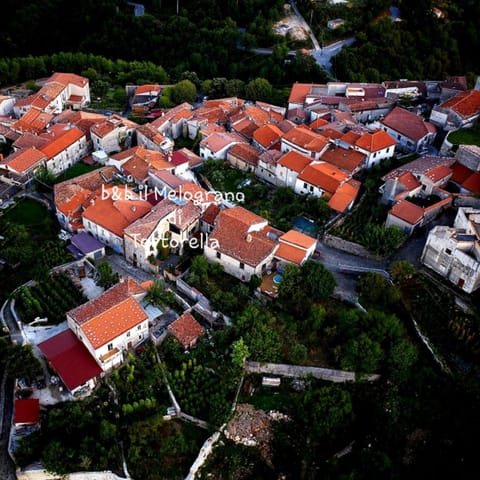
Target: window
point(139, 327)
point(139, 337)
point(304, 185)
point(242, 265)
point(128, 334)
point(219, 255)
point(448, 251)
point(110, 346)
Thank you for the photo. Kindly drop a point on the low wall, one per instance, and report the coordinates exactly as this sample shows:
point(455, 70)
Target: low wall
point(349, 247)
point(40, 474)
point(466, 201)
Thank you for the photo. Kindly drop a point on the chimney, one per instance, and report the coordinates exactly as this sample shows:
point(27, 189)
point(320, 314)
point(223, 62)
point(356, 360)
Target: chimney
point(134, 208)
point(249, 238)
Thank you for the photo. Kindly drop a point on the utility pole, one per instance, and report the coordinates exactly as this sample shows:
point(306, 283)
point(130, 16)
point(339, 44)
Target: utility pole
point(178, 6)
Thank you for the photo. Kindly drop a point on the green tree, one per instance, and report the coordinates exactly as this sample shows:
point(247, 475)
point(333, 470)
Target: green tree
point(375, 289)
point(402, 271)
point(22, 363)
point(239, 353)
point(259, 89)
point(403, 356)
point(184, 91)
point(361, 355)
point(107, 277)
point(297, 353)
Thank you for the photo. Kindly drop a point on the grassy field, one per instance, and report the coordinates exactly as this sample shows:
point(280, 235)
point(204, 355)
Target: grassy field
point(27, 212)
point(465, 136)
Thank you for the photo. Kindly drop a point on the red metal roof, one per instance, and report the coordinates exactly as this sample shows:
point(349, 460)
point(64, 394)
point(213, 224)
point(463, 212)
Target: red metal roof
point(70, 359)
point(27, 411)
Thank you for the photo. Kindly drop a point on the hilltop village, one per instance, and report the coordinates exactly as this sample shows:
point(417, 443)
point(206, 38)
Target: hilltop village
point(187, 264)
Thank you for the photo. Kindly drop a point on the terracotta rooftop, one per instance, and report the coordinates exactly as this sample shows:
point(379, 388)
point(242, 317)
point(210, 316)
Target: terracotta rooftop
point(218, 141)
point(407, 211)
point(267, 135)
point(34, 121)
point(299, 239)
point(23, 160)
point(111, 297)
point(186, 329)
point(270, 157)
point(67, 78)
point(28, 140)
point(184, 155)
point(460, 172)
point(409, 181)
point(291, 253)
point(27, 411)
point(147, 89)
point(419, 166)
point(464, 104)
point(116, 215)
point(408, 124)
point(375, 141)
point(299, 92)
point(61, 142)
point(294, 161)
point(324, 176)
point(109, 324)
point(344, 158)
point(245, 127)
point(344, 195)
point(305, 138)
point(248, 153)
point(440, 172)
point(238, 236)
point(211, 214)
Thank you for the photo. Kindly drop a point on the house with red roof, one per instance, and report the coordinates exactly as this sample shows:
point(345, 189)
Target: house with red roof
point(243, 157)
point(26, 412)
point(166, 227)
point(22, 164)
point(294, 247)
point(349, 160)
point(173, 122)
point(320, 178)
point(411, 132)
point(377, 145)
point(304, 141)
point(112, 209)
point(186, 330)
point(112, 323)
point(267, 137)
point(242, 242)
point(66, 147)
point(59, 91)
point(216, 146)
point(289, 166)
point(73, 196)
point(71, 360)
point(114, 134)
point(149, 137)
point(144, 99)
point(184, 159)
point(460, 111)
point(34, 121)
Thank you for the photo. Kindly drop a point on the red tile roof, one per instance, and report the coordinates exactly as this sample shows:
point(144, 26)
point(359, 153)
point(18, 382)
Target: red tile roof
point(28, 140)
point(184, 155)
point(299, 92)
point(24, 160)
point(290, 253)
point(294, 161)
point(245, 152)
point(27, 411)
point(344, 195)
point(465, 104)
point(211, 214)
point(70, 359)
point(324, 176)
point(67, 78)
point(143, 89)
point(186, 330)
point(298, 239)
point(344, 158)
point(236, 238)
point(408, 124)
point(218, 141)
point(267, 136)
point(407, 211)
point(110, 324)
point(375, 141)
point(409, 181)
point(116, 215)
point(34, 121)
point(60, 143)
point(305, 138)
point(440, 172)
